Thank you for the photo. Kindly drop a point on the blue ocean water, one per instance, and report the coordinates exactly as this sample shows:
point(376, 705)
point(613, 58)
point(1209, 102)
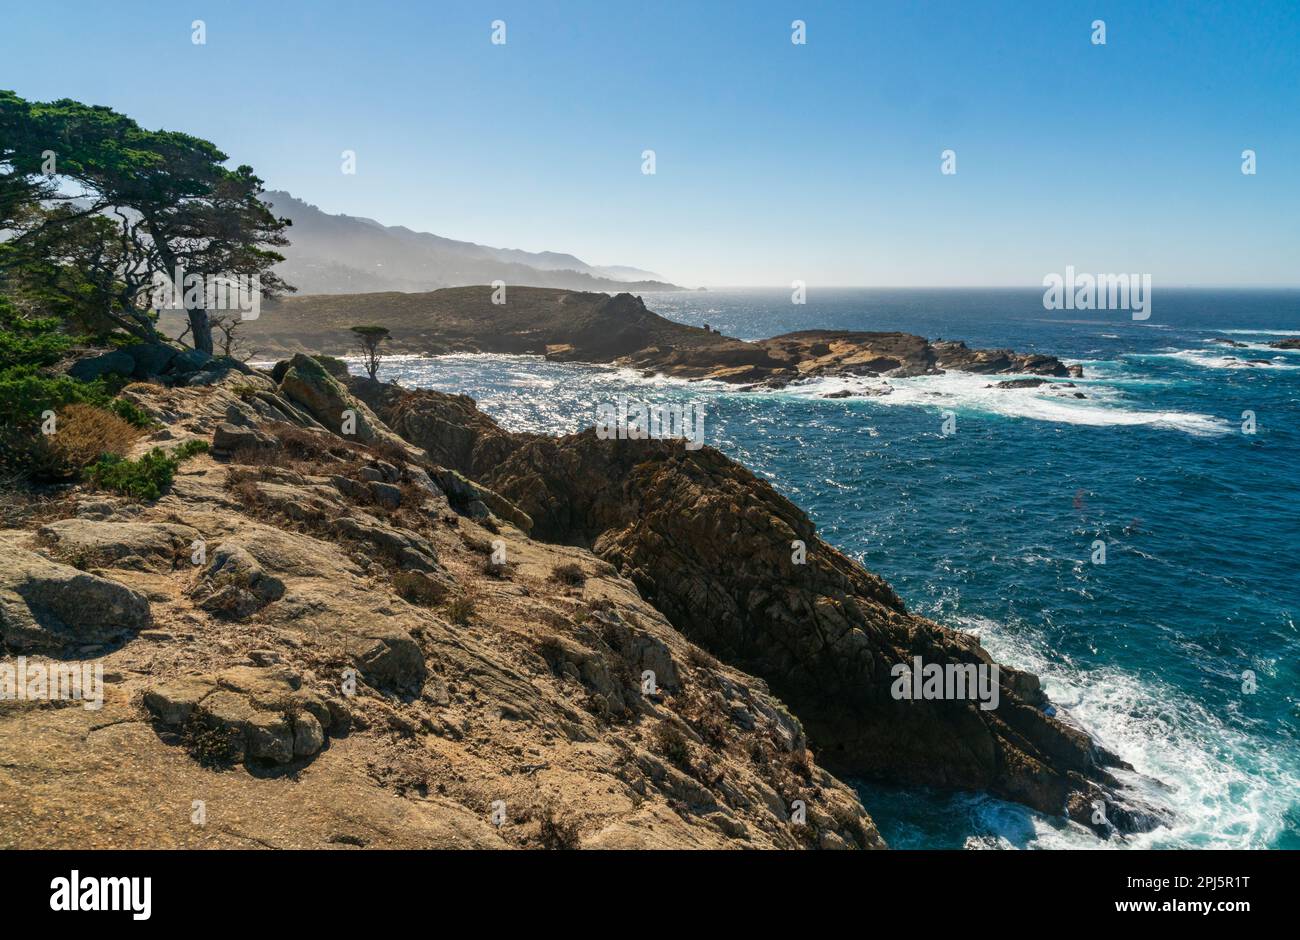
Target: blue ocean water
point(990, 529)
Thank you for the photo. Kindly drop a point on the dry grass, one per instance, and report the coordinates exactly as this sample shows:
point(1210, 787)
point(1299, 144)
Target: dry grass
point(414, 587)
point(704, 714)
point(669, 741)
point(555, 832)
point(570, 574)
point(390, 452)
point(83, 433)
point(461, 610)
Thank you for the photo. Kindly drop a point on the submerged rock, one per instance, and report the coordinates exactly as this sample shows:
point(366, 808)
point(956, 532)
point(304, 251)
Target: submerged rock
point(1019, 383)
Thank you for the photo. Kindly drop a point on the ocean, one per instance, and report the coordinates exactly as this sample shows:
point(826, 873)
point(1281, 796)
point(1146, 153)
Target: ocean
point(991, 529)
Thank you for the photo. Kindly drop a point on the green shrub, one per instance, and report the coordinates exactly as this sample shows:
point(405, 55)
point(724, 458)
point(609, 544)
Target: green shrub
point(33, 342)
point(129, 412)
point(31, 345)
point(191, 448)
point(25, 394)
point(147, 477)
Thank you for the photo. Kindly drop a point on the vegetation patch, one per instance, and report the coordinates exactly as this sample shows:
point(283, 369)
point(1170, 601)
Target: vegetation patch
point(554, 832)
point(85, 433)
point(461, 609)
point(570, 574)
point(212, 747)
point(669, 741)
point(30, 342)
point(147, 477)
point(26, 394)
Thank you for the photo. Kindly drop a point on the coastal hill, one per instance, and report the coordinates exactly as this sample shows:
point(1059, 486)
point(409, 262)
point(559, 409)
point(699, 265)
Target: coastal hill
point(349, 254)
point(578, 326)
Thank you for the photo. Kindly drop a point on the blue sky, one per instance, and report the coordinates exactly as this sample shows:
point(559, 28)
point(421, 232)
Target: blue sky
point(775, 162)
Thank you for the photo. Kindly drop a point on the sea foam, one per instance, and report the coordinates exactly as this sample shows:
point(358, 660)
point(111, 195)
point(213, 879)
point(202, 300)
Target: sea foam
point(1223, 790)
point(962, 391)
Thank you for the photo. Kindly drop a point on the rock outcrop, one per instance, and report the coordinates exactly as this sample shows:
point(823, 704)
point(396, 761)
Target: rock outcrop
point(144, 545)
point(817, 353)
point(574, 326)
point(246, 713)
point(50, 607)
point(711, 546)
point(434, 633)
point(327, 641)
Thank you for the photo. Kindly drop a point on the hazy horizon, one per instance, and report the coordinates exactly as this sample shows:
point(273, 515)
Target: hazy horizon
point(958, 287)
point(774, 161)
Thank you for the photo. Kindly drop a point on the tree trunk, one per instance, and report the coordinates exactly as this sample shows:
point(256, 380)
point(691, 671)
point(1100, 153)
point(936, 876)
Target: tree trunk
point(201, 330)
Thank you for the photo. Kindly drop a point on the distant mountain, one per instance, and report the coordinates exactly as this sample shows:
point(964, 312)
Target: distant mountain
point(347, 254)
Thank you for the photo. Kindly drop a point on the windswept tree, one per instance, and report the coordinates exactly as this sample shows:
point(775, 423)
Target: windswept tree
point(371, 337)
point(171, 207)
point(20, 193)
point(78, 271)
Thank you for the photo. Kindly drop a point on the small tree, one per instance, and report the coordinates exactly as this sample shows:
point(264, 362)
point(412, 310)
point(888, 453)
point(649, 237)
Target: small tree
point(371, 337)
point(226, 338)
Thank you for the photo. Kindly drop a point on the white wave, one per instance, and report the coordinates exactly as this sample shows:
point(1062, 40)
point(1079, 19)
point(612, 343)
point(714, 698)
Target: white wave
point(1254, 332)
point(1257, 347)
point(1224, 790)
point(634, 377)
point(1214, 360)
point(1111, 372)
point(962, 391)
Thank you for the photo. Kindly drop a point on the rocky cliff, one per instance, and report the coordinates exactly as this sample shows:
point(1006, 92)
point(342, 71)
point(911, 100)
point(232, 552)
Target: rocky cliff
point(371, 617)
point(710, 545)
point(317, 639)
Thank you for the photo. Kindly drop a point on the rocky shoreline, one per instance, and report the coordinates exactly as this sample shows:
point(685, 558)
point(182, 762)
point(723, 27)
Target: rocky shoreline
point(409, 627)
point(568, 326)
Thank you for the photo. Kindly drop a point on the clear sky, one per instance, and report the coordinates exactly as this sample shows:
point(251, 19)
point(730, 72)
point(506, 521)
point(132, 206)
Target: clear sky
point(774, 161)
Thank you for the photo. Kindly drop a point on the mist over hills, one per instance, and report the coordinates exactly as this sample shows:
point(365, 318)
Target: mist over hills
point(345, 254)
